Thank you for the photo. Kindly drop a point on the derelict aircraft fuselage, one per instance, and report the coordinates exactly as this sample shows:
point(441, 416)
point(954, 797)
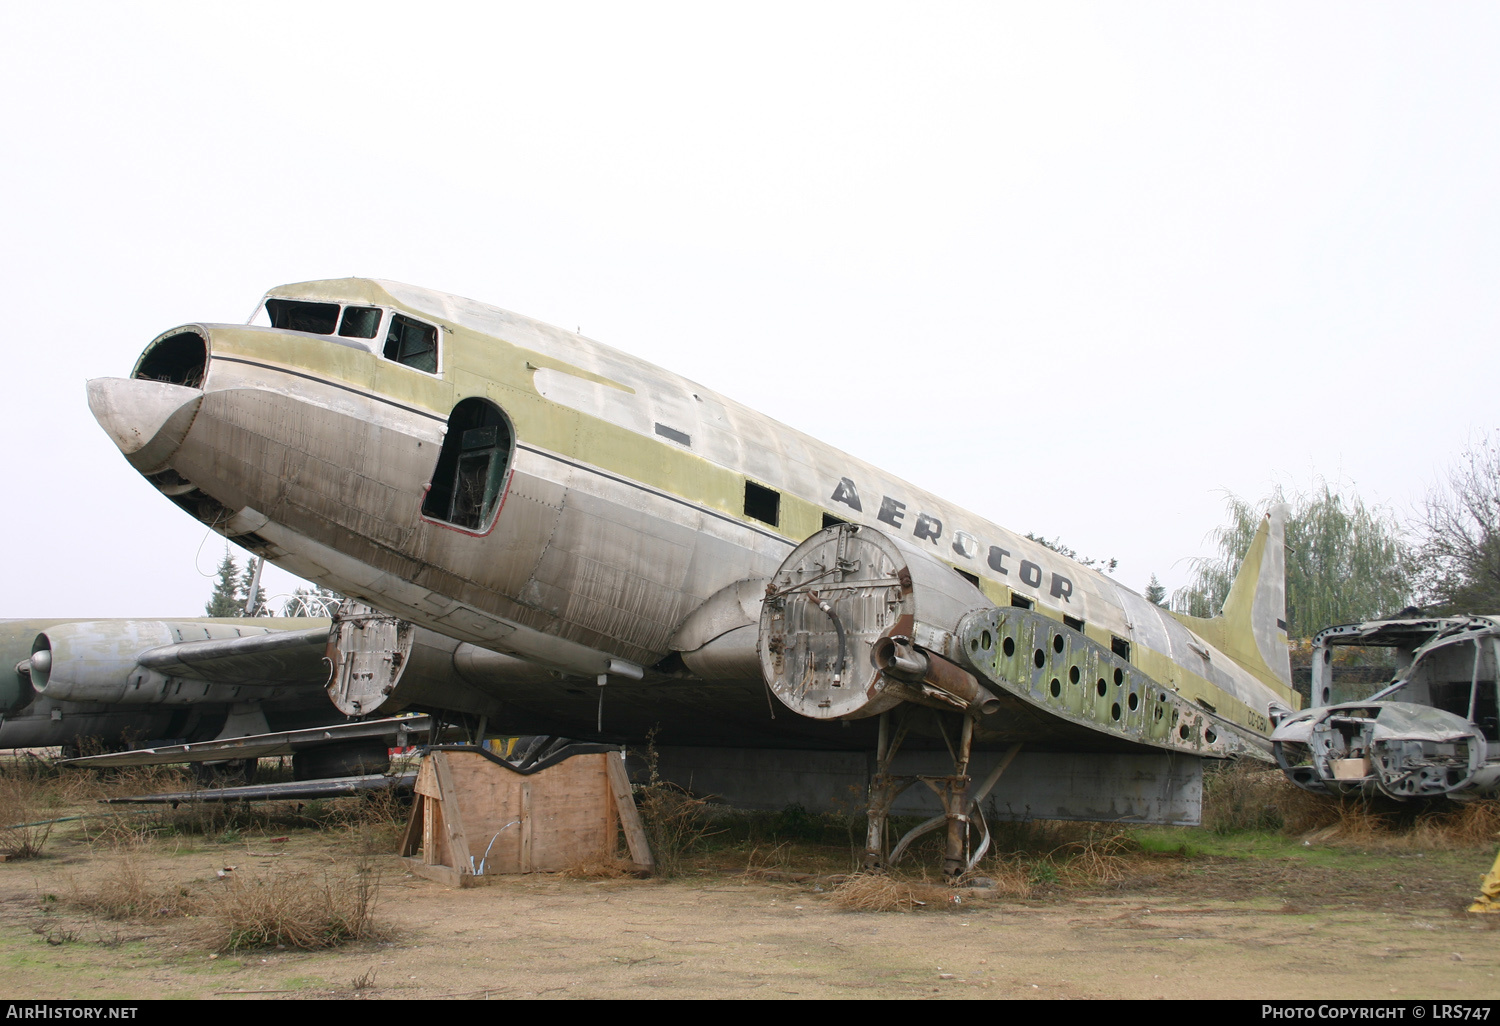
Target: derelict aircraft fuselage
point(537, 493)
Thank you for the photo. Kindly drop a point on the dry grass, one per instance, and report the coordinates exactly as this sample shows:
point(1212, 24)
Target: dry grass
point(881, 892)
point(598, 867)
point(1245, 795)
point(304, 911)
point(1009, 880)
point(1097, 860)
point(128, 892)
point(24, 819)
point(676, 822)
point(1473, 824)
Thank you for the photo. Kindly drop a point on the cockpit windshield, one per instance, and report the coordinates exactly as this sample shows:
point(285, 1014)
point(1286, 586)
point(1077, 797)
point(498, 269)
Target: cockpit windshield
point(291, 315)
point(408, 341)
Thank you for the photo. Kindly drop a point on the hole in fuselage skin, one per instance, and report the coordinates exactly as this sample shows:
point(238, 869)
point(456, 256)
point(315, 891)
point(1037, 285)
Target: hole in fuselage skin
point(471, 467)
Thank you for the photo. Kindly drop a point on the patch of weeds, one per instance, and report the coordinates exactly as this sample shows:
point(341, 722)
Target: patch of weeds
point(1042, 870)
point(1244, 795)
point(675, 820)
point(25, 817)
point(297, 911)
point(128, 892)
point(56, 935)
point(886, 892)
point(597, 867)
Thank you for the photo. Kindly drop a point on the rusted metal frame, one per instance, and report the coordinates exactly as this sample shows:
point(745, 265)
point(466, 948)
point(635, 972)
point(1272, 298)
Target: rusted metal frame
point(953, 792)
point(884, 788)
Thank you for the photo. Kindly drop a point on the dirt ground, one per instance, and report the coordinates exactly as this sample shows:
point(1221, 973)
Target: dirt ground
point(1290, 922)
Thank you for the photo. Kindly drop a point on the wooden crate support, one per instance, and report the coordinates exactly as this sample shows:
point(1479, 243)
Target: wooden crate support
point(475, 816)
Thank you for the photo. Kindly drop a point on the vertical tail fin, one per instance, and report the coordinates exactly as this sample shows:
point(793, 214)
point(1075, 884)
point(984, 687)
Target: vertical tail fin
point(1251, 628)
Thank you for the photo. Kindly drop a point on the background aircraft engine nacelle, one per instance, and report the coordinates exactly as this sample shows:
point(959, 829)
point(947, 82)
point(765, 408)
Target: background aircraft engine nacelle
point(95, 662)
point(856, 621)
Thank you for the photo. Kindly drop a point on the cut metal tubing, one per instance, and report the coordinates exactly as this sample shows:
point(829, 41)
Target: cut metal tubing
point(900, 659)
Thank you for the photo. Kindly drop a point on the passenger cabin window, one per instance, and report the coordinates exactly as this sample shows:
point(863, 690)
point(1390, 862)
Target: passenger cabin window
point(471, 467)
point(764, 504)
point(412, 343)
point(292, 315)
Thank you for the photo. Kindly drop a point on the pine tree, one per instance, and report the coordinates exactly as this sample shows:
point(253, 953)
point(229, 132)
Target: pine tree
point(1156, 594)
point(226, 600)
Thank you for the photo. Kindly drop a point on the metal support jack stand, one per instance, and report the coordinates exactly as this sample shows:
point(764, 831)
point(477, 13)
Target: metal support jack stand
point(960, 805)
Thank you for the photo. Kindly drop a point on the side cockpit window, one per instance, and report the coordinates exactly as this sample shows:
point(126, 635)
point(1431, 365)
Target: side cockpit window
point(360, 322)
point(412, 343)
point(471, 468)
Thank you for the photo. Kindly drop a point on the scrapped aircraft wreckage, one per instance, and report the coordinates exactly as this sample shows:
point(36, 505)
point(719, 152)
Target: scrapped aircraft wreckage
point(1432, 732)
point(172, 688)
point(790, 623)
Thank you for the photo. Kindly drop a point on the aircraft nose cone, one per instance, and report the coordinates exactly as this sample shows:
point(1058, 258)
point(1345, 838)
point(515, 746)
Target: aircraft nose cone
point(147, 419)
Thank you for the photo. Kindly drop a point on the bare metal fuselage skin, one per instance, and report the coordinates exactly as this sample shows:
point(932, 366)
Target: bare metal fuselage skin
point(632, 503)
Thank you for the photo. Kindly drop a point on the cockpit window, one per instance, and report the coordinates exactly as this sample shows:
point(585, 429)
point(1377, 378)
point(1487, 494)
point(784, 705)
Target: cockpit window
point(412, 343)
point(360, 322)
point(292, 315)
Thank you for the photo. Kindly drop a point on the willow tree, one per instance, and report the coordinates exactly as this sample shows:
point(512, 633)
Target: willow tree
point(1344, 561)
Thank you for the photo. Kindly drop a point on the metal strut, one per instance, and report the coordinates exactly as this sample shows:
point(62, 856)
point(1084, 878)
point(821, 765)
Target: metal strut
point(961, 805)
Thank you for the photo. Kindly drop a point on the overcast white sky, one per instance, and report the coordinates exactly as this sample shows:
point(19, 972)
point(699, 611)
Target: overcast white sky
point(1078, 267)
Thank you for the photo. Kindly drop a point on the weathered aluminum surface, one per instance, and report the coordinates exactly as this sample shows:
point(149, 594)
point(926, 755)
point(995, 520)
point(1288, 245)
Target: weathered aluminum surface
point(176, 662)
point(831, 603)
point(382, 665)
point(1053, 680)
point(610, 534)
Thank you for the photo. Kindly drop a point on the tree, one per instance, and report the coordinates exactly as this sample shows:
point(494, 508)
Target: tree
point(1344, 561)
point(1460, 528)
point(226, 600)
point(1104, 566)
point(1156, 594)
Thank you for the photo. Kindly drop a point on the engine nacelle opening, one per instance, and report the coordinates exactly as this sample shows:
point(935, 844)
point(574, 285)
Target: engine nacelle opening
point(850, 625)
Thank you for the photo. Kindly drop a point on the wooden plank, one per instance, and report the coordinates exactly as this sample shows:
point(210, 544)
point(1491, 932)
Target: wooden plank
point(630, 817)
point(412, 838)
point(445, 875)
point(434, 832)
point(458, 855)
point(426, 780)
point(527, 825)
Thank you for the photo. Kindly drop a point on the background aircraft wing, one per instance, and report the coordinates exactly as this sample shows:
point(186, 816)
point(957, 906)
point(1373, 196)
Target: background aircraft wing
point(266, 660)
